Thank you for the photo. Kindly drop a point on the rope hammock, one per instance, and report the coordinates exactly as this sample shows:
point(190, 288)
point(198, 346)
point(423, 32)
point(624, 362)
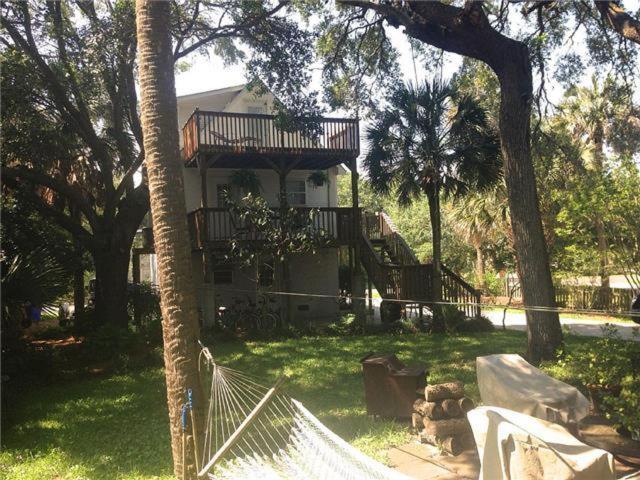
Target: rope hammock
point(258, 432)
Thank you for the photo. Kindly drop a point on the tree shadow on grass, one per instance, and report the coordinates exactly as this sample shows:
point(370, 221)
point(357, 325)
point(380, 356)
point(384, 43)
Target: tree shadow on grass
point(114, 427)
point(117, 427)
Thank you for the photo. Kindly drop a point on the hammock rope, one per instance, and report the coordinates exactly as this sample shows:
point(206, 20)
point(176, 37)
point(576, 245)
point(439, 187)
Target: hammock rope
point(254, 431)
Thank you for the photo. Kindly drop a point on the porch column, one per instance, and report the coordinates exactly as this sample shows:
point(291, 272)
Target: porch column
point(204, 188)
point(357, 280)
point(135, 276)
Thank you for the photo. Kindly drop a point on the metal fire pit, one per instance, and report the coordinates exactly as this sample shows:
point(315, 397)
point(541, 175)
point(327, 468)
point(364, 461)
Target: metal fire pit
point(390, 386)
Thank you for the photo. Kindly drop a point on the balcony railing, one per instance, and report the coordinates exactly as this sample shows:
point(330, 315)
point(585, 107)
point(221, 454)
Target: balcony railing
point(216, 226)
point(248, 133)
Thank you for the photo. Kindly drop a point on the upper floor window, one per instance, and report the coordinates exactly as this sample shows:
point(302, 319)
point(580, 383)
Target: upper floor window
point(297, 192)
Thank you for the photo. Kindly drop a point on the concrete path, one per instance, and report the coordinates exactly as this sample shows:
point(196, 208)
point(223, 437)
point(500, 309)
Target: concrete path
point(577, 326)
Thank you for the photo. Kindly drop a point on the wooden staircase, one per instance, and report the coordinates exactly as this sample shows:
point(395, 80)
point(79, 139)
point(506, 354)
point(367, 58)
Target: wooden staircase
point(397, 273)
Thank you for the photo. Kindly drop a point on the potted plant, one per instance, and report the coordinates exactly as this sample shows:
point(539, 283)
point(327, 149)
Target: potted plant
point(247, 181)
point(317, 178)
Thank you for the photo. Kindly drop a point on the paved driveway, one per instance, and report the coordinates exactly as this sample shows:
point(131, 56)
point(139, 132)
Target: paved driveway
point(578, 326)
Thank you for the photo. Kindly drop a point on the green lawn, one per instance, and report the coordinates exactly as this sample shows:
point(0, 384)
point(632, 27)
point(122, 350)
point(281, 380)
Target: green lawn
point(116, 427)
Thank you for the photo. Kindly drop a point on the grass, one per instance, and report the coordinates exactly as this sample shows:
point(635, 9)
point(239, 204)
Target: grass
point(116, 427)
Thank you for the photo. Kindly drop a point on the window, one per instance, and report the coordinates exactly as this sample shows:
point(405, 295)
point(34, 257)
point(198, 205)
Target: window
point(223, 190)
point(297, 192)
point(222, 275)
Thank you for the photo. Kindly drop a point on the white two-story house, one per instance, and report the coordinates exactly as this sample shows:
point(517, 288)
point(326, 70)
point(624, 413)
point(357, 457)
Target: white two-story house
point(233, 130)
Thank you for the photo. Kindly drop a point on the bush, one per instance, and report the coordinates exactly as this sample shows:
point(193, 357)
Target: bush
point(145, 300)
point(404, 326)
point(624, 410)
point(476, 325)
point(455, 321)
point(346, 326)
point(609, 365)
point(494, 284)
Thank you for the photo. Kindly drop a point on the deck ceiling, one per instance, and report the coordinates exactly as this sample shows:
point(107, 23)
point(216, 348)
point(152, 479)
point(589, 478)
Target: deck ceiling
point(301, 161)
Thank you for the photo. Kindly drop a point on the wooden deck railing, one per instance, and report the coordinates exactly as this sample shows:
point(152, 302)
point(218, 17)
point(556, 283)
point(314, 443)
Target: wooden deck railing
point(214, 225)
point(226, 132)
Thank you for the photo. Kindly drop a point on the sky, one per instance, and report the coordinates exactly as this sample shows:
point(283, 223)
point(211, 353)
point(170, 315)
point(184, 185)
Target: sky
point(211, 73)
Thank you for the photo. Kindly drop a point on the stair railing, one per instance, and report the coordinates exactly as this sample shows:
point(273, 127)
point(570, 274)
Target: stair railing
point(456, 290)
point(409, 279)
point(387, 278)
point(399, 247)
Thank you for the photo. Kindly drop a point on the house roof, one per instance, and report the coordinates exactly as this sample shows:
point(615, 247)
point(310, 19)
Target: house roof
point(218, 91)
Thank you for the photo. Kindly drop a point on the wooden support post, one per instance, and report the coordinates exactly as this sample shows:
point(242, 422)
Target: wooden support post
point(357, 280)
point(135, 275)
point(370, 288)
point(135, 267)
point(204, 189)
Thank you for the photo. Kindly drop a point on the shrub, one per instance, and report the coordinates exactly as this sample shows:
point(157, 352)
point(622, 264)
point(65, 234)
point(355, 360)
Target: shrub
point(404, 326)
point(476, 325)
point(145, 300)
point(610, 367)
point(347, 325)
point(624, 409)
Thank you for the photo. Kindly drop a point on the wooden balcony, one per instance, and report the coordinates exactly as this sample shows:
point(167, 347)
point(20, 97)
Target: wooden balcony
point(214, 227)
point(246, 140)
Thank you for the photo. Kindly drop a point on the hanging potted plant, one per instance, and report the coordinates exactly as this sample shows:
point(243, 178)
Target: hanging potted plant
point(317, 178)
point(247, 181)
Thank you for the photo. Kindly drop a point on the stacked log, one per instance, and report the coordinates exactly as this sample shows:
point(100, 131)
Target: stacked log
point(441, 417)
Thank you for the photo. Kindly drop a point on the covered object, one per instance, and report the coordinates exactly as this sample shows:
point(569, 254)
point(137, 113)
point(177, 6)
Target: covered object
point(508, 381)
point(390, 386)
point(515, 446)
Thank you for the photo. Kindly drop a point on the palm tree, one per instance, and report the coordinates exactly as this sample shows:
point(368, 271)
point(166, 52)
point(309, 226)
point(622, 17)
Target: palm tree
point(177, 293)
point(598, 117)
point(431, 141)
point(480, 218)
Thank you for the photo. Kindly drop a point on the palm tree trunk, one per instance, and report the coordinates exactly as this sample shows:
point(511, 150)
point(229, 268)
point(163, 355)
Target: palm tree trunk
point(601, 235)
point(480, 280)
point(433, 197)
point(177, 293)
point(544, 333)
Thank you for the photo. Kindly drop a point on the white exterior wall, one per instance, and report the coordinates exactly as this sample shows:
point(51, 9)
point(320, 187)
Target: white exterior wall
point(325, 196)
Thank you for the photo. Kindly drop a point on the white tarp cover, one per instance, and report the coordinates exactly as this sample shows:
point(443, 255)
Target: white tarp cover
point(513, 446)
point(508, 381)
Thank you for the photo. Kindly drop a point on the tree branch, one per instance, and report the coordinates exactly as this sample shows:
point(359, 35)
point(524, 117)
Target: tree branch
point(64, 189)
point(615, 16)
point(70, 224)
point(230, 31)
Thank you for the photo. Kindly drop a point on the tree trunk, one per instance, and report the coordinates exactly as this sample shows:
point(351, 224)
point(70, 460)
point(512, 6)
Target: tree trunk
point(112, 268)
point(480, 280)
point(543, 328)
point(601, 234)
point(177, 291)
point(78, 272)
point(78, 290)
point(433, 196)
point(467, 31)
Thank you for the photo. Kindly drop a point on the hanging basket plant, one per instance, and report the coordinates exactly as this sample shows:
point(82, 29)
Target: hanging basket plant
point(247, 181)
point(318, 178)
